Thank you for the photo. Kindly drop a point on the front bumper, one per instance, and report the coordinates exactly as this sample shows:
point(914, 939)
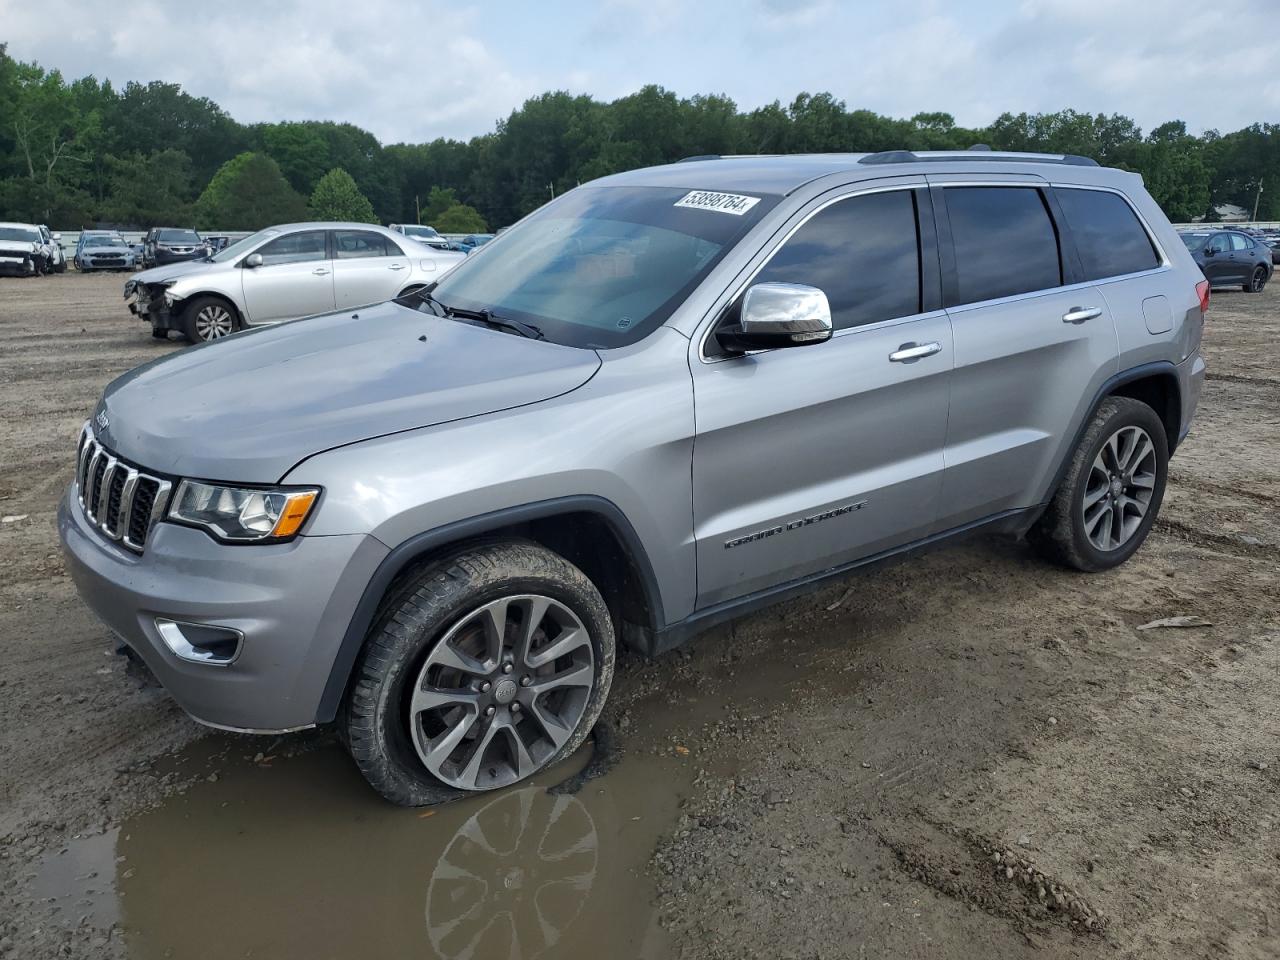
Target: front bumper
point(19, 262)
point(292, 602)
point(87, 263)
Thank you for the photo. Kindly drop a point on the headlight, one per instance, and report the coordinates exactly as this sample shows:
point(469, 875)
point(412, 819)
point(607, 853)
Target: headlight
point(130, 286)
point(243, 515)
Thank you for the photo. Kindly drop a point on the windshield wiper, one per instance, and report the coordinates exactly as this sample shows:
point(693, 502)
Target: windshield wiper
point(492, 319)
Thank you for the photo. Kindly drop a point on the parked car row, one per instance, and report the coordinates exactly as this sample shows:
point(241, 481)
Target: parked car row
point(28, 249)
point(432, 238)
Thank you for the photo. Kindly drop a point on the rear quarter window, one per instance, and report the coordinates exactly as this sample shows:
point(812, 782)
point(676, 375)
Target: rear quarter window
point(1109, 237)
point(1005, 242)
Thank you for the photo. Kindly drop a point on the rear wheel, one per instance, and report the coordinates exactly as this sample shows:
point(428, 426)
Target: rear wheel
point(1109, 498)
point(208, 318)
point(483, 670)
point(1258, 281)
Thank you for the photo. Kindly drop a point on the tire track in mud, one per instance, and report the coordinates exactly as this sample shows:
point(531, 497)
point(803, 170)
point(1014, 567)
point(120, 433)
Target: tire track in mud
point(1220, 542)
point(1223, 490)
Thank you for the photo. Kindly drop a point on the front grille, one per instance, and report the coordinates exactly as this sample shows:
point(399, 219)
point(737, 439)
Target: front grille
point(123, 502)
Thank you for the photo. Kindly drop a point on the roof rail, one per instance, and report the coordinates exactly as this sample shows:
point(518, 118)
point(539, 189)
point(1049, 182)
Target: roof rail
point(701, 156)
point(978, 152)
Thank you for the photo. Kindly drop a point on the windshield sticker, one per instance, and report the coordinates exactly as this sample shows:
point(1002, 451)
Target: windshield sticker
point(719, 202)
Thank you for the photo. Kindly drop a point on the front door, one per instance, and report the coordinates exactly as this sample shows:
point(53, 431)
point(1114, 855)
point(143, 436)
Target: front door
point(294, 280)
point(813, 456)
point(367, 268)
point(1030, 345)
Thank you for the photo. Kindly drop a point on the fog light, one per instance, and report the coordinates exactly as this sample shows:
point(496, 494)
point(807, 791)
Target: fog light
point(200, 642)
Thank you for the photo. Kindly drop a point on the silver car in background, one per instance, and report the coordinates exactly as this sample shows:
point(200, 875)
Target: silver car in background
point(283, 273)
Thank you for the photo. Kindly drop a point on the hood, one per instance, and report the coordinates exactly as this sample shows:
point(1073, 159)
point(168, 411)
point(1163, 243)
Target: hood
point(17, 246)
point(173, 271)
point(248, 408)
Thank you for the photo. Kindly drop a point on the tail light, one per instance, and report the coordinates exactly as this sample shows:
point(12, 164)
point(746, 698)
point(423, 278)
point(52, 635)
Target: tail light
point(1202, 291)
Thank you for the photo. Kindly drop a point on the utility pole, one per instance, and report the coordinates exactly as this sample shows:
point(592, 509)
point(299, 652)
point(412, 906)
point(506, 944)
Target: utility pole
point(417, 210)
point(1256, 197)
point(552, 188)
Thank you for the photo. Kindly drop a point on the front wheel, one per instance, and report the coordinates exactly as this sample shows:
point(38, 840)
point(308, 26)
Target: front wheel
point(483, 670)
point(208, 318)
point(1107, 502)
point(1258, 281)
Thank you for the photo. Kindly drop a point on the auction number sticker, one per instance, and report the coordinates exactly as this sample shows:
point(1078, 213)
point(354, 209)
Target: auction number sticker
point(719, 202)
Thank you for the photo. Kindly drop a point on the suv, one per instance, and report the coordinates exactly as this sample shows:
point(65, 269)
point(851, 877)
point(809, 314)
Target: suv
point(663, 400)
point(165, 245)
point(1231, 258)
point(22, 248)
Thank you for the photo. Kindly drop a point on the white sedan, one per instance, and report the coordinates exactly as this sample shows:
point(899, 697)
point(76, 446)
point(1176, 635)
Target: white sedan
point(283, 273)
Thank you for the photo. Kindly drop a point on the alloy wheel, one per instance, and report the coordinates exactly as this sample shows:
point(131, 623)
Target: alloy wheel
point(1119, 488)
point(501, 692)
point(213, 322)
point(1259, 279)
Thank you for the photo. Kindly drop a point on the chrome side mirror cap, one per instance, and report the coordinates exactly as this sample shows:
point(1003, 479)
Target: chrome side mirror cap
point(253, 260)
point(778, 315)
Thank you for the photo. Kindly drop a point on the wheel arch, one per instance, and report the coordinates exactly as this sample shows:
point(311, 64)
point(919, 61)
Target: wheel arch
point(1155, 384)
point(589, 531)
point(190, 298)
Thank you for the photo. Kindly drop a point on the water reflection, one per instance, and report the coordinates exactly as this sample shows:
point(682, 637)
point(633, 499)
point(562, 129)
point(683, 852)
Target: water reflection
point(514, 877)
point(298, 858)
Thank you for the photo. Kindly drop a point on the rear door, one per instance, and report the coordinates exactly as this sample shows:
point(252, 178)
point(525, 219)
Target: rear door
point(810, 457)
point(294, 280)
point(1242, 257)
point(367, 268)
point(1031, 341)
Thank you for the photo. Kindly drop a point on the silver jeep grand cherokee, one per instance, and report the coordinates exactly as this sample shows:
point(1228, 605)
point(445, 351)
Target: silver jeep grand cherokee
point(665, 399)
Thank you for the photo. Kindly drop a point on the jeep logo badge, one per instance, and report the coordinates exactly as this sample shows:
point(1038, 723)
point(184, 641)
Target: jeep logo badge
point(102, 420)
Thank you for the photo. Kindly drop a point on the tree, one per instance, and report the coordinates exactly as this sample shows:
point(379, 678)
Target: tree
point(460, 218)
point(150, 191)
point(336, 197)
point(439, 200)
point(248, 193)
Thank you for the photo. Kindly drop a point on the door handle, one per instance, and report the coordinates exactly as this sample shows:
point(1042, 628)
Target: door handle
point(1081, 314)
point(910, 352)
point(396, 266)
point(320, 271)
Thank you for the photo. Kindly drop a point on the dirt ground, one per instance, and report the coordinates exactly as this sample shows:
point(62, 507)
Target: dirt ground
point(971, 754)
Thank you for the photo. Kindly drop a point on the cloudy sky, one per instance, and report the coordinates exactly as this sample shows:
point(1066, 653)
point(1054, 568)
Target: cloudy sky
point(412, 70)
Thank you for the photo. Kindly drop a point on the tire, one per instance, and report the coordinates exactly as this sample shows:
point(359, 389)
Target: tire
point(61, 267)
point(206, 319)
point(160, 334)
point(422, 635)
point(1105, 531)
point(1258, 281)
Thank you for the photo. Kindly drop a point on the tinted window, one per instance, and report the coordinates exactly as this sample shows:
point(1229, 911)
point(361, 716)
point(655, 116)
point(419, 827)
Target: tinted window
point(1108, 235)
point(295, 248)
point(1004, 240)
point(1240, 242)
point(352, 244)
point(863, 253)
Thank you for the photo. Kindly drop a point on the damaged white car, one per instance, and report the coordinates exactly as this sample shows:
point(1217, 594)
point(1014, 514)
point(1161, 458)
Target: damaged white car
point(283, 273)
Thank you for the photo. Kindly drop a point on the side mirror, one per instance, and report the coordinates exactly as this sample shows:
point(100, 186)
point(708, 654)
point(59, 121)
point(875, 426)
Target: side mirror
point(57, 236)
point(778, 315)
point(1209, 251)
point(253, 260)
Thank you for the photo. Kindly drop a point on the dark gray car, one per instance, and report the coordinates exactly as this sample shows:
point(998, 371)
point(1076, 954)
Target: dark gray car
point(1230, 258)
point(663, 400)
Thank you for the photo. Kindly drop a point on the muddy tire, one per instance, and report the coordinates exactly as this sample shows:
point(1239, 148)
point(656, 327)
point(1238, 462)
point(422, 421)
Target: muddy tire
point(1105, 506)
point(209, 318)
point(481, 670)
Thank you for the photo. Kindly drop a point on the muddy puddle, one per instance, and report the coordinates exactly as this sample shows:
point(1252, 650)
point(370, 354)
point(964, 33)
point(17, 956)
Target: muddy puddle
point(295, 857)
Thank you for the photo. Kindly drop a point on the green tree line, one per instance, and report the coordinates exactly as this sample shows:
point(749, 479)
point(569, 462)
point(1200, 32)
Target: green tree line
point(77, 152)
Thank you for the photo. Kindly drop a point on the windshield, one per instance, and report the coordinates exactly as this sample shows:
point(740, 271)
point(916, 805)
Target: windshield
point(601, 266)
point(19, 233)
point(241, 247)
point(178, 236)
point(1195, 241)
point(105, 242)
point(412, 230)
